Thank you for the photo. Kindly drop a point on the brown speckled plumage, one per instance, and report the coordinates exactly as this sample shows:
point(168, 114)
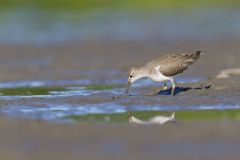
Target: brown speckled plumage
point(172, 64)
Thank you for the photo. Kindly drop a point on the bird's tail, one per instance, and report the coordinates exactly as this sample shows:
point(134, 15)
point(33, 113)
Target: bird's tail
point(194, 57)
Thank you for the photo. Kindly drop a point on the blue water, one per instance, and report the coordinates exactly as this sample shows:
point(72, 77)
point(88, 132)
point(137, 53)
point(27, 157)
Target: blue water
point(59, 111)
point(41, 27)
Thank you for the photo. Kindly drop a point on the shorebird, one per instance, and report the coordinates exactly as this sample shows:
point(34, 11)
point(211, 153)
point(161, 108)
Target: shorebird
point(163, 68)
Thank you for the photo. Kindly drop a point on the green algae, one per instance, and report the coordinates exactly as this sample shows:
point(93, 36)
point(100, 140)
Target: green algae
point(29, 91)
point(89, 5)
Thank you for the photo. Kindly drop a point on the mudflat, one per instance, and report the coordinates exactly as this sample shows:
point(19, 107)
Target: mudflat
point(38, 139)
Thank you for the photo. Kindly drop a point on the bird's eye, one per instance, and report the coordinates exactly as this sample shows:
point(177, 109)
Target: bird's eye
point(131, 76)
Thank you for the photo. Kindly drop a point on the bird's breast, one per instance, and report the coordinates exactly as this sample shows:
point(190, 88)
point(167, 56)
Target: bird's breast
point(158, 76)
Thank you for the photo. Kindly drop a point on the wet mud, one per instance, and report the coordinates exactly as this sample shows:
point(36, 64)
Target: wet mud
point(46, 108)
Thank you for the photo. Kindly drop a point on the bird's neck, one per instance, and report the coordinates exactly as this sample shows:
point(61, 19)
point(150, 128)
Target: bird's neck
point(141, 72)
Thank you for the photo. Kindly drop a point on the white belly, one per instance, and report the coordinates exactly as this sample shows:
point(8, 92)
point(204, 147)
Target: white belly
point(158, 76)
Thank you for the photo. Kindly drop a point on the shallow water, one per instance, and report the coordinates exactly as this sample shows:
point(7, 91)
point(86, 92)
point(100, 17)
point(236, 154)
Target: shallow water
point(70, 112)
point(41, 100)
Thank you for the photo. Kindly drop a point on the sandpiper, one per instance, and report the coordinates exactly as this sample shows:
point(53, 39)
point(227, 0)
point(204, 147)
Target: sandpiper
point(163, 68)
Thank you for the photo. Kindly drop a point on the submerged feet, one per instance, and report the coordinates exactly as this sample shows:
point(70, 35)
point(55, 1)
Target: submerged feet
point(156, 92)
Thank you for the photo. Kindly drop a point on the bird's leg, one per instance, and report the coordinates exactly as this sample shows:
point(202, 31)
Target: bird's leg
point(159, 90)
point(165, 86)
point(173, 87)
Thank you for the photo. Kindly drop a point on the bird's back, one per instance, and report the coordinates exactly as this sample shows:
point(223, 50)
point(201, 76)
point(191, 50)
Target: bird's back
point(172, 64)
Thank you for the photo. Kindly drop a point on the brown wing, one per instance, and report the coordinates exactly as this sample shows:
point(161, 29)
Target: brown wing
point(172, 68)
point(170, 65)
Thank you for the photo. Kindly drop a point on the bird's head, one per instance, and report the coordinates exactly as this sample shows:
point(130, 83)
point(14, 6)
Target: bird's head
point(133, 76)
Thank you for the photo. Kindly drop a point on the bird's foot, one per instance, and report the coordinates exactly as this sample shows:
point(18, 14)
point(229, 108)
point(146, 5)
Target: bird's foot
point(151, 94)
point(173, 92)
point(165, 88)
point(154, 93)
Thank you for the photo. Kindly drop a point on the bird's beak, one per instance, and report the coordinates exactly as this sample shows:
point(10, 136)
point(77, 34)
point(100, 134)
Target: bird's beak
point(128, 86)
